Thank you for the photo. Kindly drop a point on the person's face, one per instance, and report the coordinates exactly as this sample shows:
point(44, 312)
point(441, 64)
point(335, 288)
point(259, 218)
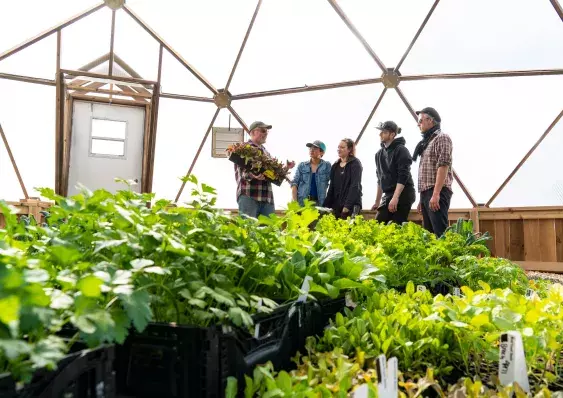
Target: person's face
point(343, 150)
point(386, 136)
point(315, 152)
point(424, 122)
point(259, 135)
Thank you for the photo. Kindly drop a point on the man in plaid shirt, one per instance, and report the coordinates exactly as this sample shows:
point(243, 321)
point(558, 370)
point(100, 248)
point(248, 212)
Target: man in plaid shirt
point(254, 192)
point(435, 174)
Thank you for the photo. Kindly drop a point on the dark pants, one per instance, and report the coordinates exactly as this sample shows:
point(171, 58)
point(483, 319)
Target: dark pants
point(406, 200)
point(435, 221)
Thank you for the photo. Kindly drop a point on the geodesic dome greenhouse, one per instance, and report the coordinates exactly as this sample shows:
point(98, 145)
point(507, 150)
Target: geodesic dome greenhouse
point(174, 299)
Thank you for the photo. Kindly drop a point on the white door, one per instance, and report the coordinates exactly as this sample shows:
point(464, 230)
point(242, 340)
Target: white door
point(107, 143)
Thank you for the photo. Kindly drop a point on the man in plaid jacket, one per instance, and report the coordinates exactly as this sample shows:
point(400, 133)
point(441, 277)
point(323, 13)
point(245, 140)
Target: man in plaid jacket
point(435, 175)
point(254, 192)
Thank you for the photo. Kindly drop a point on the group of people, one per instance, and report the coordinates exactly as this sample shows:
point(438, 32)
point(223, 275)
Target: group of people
point(338, 186)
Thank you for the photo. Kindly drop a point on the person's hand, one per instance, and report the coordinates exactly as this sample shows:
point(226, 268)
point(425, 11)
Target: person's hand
point(393, 205)
point(375, 206)
point(259, 177)
point(419, 207)
point(289, 164)
point(435, 202)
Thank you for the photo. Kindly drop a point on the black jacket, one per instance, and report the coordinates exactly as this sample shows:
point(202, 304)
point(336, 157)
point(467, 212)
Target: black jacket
point(393, 166)
point(350, 193)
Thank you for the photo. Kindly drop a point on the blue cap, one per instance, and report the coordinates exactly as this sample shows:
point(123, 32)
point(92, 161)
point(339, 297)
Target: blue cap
point(319, 144)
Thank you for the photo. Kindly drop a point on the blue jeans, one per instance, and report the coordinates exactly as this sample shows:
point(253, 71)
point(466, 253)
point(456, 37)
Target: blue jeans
point(253, 208)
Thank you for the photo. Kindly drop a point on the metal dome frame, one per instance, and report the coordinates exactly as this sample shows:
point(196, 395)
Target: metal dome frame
point(390, 78)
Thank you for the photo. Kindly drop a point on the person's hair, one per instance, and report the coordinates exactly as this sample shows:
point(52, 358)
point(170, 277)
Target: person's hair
point(351, 146)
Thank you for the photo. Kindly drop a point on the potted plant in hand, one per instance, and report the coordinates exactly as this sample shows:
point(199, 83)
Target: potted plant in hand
point(257, 162)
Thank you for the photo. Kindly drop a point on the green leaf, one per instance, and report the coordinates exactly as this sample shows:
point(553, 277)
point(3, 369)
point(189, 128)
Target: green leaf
point(331, 255)
point(197, 302)
point(14, 348)
point(502, 323)
point(64, 255)
point(9, 309)
point(240, 317)
point(90, 286)
point(156, 270)
point(108, 244)
point(137, 307)
point(121, 325)
point(332, 291)
point(141, 263)
point(325, 278)
point(249, 387)
point(232, 387)
point(284, 382)
point(48, 351)
point(60, 300)
point(122, 277)
point(345, 283)
point(35, 275)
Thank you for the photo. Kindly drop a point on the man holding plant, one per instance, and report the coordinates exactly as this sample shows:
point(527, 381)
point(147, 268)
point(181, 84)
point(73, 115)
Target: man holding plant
point(435, 174)
point(254, 191)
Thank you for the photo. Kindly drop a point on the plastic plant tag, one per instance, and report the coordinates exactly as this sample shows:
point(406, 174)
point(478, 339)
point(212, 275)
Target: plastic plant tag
point(361, 392)
point(393, 377)
point(257, 326)
point(305, 287)
point(457, 291)
point(381, 369)
point(530, 293)
point(512, 361)
point(420, 288)
point(387, 377)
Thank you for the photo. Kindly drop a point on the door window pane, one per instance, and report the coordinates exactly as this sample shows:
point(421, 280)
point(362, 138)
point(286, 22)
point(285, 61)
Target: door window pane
point(108, 129)
point(107, 147)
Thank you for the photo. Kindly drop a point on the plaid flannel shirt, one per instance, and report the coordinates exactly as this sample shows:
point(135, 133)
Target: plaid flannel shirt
point(437, 153)
point(260, 191)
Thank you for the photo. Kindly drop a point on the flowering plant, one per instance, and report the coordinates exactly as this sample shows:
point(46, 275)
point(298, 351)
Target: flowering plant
point(257, 162)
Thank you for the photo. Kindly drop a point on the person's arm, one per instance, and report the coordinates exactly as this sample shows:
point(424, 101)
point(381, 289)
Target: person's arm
point(378, 197)
point(353, 194)
point(295, 183)
point(444, 148)
point(329, 200)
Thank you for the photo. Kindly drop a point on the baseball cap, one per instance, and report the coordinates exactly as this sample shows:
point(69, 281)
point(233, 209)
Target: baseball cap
point(431, 112)
point(389, 126)
point(259, 125)
point(319, 144)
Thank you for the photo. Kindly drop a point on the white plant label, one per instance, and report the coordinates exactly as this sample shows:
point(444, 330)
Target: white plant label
point(387, 376)
point(305, 287)
point(257, 326)
point(512, 361)
point(457, 291)
point(361, 392)
point(393, 377)
point(420, 288)
point(530, 293)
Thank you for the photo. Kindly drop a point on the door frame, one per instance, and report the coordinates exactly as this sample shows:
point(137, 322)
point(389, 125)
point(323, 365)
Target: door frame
point(63, 137)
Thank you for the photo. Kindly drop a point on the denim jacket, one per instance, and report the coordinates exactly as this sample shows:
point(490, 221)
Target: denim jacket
point(302, 179)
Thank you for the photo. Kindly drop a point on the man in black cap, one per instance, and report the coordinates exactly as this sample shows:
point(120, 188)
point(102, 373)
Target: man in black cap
point(254, 192)
point(394, 180)
point(435, 175)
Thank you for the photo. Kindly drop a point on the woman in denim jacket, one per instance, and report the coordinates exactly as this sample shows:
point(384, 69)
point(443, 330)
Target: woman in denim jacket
point(311, 178)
